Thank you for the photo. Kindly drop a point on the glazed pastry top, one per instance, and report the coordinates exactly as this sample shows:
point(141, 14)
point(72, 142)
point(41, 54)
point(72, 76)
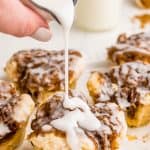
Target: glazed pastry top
point(71, 116)
point(37, 69)
point(133, 80)
point(132, 74)
point(8, 100)
point(138, 43)
point(126, 84)
point(108, 114)
point(135, 42)
point(112, 123)
point(14, 109)
point(52, 110)
point(55, 115)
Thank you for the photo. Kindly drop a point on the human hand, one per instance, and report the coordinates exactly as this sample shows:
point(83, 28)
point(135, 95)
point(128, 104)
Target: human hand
point(19, 20)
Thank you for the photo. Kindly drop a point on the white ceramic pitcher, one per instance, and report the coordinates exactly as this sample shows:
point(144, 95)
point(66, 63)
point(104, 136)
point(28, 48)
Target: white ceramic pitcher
point(60, 10)
point(97, 15)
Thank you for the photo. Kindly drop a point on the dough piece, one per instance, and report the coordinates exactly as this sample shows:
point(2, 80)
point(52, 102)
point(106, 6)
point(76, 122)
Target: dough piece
point(108, 137)
point(133, 48)
point(15, 110)
point(127, 85)
point(41, 72)
point(143, 3)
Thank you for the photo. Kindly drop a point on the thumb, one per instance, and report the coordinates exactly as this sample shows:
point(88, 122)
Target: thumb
point(20, 21)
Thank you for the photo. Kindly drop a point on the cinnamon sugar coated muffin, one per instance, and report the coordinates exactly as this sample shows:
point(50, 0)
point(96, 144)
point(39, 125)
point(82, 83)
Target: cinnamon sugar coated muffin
point(131, 48)
point(41, 72)
point(128, 86)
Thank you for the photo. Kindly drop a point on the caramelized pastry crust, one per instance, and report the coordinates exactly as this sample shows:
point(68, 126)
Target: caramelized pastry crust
point(128, 86)
point(133, 48)
point(15, 110)
point(113, 127)
point(40, 72)
point(143, 3)
point(52, 110)
point(8, 100)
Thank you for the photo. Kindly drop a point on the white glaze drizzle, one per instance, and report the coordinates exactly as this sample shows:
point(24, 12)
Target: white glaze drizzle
point(115, 116)
point(129, 49)
point(138, 69)
point(135, 71)
point(66, 35)
point(23, 109)
point(80, 117)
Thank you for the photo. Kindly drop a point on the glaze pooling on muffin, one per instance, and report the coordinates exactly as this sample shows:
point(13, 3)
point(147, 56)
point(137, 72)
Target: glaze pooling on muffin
point(8, 100)
point(107, 90)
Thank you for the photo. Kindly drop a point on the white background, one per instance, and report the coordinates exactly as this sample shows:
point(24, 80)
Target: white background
point(93, 45)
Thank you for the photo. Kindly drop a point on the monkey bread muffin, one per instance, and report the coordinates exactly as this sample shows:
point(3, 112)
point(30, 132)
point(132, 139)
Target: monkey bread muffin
point(77, 125)
point(127, 85)
point(41, 72)
point(15, 110)
point(129, 49)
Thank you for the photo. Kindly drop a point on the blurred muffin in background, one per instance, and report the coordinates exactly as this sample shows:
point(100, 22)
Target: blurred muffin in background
point(135, 47)
point(143, 3)
point(127, 85)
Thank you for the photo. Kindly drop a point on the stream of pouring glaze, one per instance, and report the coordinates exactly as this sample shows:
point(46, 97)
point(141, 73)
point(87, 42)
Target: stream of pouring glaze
point(79, 116)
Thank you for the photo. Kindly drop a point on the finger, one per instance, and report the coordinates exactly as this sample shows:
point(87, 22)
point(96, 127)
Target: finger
point(18, 20)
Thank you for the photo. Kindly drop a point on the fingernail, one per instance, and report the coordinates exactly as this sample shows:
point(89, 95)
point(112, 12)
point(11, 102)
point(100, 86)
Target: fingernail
point(42, 34)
